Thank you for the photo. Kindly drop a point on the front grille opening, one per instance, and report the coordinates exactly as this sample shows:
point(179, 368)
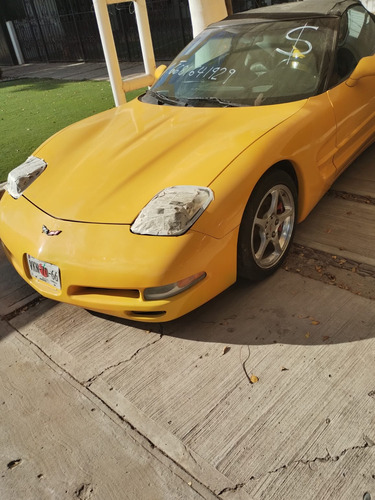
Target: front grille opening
point(108, 292)
point(147, 314)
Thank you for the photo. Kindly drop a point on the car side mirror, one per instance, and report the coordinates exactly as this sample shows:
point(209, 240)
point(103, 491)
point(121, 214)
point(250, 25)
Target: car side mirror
point(365, 67)
point(159, 71)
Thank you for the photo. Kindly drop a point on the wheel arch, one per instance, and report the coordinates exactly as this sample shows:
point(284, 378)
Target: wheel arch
point(249, 264)
point(235, 191)
point(291, 169)
point(285, 166)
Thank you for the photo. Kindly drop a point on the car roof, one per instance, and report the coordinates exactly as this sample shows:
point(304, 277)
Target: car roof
point(298, 9)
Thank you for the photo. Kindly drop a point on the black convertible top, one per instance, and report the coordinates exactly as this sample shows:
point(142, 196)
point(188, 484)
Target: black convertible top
point(306, 8)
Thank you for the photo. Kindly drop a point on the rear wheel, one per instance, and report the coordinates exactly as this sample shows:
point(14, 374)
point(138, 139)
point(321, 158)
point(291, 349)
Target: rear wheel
point(267, 226)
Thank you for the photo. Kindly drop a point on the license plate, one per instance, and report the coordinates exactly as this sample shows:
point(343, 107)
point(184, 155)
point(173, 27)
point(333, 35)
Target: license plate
point(43, 271)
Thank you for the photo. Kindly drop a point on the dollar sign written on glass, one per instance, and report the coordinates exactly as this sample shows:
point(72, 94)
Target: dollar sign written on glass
point(298, 52)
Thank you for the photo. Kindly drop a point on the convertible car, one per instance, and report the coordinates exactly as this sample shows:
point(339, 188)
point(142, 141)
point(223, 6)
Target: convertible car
point(149, 210)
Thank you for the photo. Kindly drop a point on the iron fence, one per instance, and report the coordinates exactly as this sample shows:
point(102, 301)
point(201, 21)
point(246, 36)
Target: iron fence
point(66, 30)
point(5, 55)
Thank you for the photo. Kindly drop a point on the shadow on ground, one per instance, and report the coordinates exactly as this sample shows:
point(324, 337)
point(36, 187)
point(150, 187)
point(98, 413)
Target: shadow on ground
point(285, 309)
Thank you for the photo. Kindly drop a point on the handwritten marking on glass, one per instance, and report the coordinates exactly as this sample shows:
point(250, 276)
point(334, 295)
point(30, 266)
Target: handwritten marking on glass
point(298, 52)
point(212, 73)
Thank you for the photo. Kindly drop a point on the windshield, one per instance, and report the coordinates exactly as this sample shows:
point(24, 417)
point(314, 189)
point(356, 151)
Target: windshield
point(248, 64)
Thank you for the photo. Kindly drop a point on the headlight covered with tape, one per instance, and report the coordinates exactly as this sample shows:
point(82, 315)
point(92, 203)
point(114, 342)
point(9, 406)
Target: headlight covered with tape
point(173, 211)
point(25, 174)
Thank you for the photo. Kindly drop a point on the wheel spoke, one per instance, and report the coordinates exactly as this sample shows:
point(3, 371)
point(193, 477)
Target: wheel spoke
point(278, 250)
point(274, 203)
point(287, 213)
point(261, 223)
point(262, 247)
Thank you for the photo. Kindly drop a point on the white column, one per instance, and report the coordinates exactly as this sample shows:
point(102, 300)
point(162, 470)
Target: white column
point(16, 45)
point(145, 36)
point(109, 48)
point(119, 86)
point(148, 78)
point(369, 4)
point(205, 12)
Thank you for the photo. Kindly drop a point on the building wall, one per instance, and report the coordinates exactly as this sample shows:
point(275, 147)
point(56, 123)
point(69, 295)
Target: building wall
point(369, 4)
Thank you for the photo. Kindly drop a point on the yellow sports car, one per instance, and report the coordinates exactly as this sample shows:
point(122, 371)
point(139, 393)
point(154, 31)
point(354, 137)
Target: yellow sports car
point(149, 210)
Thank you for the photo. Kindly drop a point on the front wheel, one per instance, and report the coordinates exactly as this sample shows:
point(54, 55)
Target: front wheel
point(267, 226)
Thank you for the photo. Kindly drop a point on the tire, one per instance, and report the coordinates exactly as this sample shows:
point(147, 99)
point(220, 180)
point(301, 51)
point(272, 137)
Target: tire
point(267, 226)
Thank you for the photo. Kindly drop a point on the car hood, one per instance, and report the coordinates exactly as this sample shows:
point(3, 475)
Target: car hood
point(106, 168)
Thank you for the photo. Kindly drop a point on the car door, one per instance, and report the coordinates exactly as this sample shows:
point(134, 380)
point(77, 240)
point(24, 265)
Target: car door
point(354, 107)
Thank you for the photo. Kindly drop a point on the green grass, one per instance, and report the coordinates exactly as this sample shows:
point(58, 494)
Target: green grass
point(32, 110)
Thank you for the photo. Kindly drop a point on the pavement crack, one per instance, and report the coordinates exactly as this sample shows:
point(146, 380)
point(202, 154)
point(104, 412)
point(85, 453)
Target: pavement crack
point(334, 458)
point(122, 362)
point(328, 458)
point(231, 489)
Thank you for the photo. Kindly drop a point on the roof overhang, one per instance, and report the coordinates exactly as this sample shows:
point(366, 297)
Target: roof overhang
point(297, 10)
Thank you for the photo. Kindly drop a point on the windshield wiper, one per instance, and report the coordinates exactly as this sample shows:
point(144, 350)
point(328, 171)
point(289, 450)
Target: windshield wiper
point(163, 99)
point(213, 100)
point(188, 101)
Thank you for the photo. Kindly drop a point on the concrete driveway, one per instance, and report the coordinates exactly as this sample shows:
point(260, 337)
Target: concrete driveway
point(266, 392)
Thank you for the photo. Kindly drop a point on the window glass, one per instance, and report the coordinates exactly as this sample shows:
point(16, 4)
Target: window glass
point(356, 22)
point(356, 40)
point(251, 64)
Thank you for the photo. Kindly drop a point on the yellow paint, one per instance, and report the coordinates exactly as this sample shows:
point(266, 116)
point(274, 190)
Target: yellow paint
point(103, 170)
point(102, 266)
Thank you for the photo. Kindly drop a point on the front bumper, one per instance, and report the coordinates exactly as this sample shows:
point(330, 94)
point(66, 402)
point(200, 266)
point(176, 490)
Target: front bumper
point(106, 268)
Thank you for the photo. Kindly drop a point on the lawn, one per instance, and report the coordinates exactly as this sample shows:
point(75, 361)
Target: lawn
point(32, 110)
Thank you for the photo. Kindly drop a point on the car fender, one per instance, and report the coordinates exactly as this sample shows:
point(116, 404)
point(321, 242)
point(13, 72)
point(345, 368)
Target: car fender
point(306, 141)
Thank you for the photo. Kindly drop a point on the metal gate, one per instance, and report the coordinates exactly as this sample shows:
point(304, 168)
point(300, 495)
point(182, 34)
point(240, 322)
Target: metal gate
point(5, 55)
point(66, 30)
